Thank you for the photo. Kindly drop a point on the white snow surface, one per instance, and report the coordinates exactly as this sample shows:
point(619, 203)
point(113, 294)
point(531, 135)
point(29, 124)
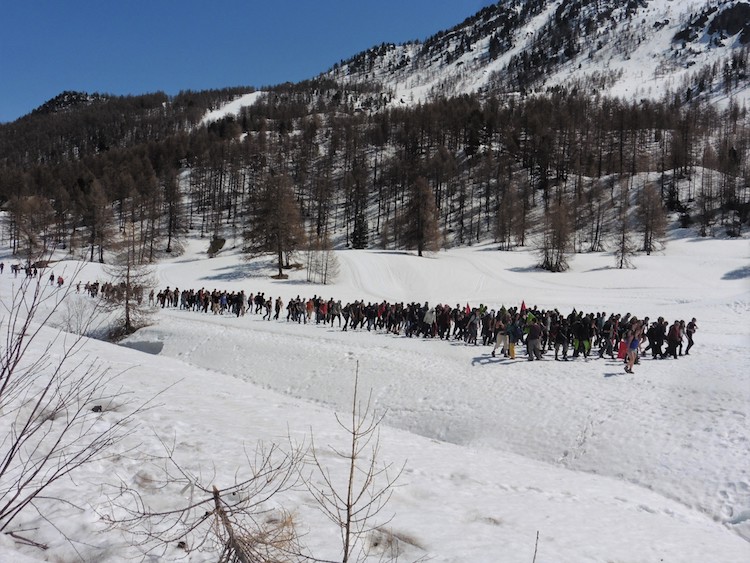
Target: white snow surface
point(637, 54)
point(232, 108)
point(604, 465)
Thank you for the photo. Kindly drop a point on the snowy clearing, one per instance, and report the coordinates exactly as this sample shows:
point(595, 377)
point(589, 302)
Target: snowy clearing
point(606, 466)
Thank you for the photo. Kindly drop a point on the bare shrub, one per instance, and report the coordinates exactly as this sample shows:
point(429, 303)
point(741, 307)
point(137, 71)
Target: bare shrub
point(47, 397)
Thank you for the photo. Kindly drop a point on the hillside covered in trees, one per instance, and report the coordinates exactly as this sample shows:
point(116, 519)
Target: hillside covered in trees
point(337, 162)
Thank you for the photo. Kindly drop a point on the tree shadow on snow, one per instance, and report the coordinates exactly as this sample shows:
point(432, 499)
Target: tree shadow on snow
point(149, 347)
point(241, 271)
point(525, 269)
point(602, 269)
point(738, 274)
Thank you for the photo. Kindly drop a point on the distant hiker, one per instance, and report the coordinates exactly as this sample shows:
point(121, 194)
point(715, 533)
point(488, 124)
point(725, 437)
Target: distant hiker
point(346, 312)
point(501, 337)
point(606, 337)
point(682, 331)
point(278, 304)
point(533, 341)
point(634, 341)
point(562, 337)
point(689, 331)
point(674, 336)
point(472, 326)
point(335, 311)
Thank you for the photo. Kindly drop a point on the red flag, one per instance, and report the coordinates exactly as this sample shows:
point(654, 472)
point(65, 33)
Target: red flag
point(523, 307)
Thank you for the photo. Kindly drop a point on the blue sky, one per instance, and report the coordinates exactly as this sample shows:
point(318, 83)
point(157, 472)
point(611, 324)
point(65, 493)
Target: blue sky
point(135, 46)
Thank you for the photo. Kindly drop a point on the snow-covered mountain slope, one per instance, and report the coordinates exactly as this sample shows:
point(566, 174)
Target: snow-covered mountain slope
point(231, 108)
point(634, 49)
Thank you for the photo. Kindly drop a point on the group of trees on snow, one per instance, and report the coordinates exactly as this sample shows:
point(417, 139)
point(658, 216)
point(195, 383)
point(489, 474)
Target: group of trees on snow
point(307, 167)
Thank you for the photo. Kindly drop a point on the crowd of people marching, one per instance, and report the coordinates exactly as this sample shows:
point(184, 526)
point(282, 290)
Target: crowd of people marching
point(577, 334)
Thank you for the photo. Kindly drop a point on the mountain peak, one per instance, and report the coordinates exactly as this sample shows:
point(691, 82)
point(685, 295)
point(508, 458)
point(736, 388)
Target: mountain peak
point(68, 100)
point(637, 49)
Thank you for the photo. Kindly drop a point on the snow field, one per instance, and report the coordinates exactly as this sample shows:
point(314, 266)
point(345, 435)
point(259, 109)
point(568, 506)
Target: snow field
point(605, 465)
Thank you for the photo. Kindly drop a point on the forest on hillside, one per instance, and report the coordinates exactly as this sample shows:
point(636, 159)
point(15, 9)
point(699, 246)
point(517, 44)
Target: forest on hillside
point(317, 165)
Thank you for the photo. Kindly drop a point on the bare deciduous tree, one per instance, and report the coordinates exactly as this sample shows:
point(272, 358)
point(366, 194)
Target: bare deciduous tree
point(418, 223)
point(53, 404)
point(247, 521)
point(556, 243)
point(34, 217)
point(355, 505)
point(322, 263)
point(131, 280)
point(242, 522)
point(650, 217)
point(624, 249)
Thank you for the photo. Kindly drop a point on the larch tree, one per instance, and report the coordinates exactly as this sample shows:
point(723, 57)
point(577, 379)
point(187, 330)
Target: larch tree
point(97, 217)
point(650, 217)
point(506, 217)
point(556, 238)
point(34, 218)
point(172, 203)
point(624, 247)
point(418, 223)
point(131, 279)
point(322, 263)
point(275, 224)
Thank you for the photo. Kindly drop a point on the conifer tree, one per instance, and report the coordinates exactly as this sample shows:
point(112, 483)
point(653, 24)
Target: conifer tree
point(275, 224)
point(418, 222)
point(360, 236)
point(172, 202)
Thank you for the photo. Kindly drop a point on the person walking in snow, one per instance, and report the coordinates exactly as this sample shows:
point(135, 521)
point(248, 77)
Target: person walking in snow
point(562, 338)
point(606, 336)
point(278, 304)
point(472, 327)
point(335, 311)
point(427, 321)
point(689, 332)
point(674, 336)
point(533, 341)
point(635, 336)
point(501, 336)
point(682, 332)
